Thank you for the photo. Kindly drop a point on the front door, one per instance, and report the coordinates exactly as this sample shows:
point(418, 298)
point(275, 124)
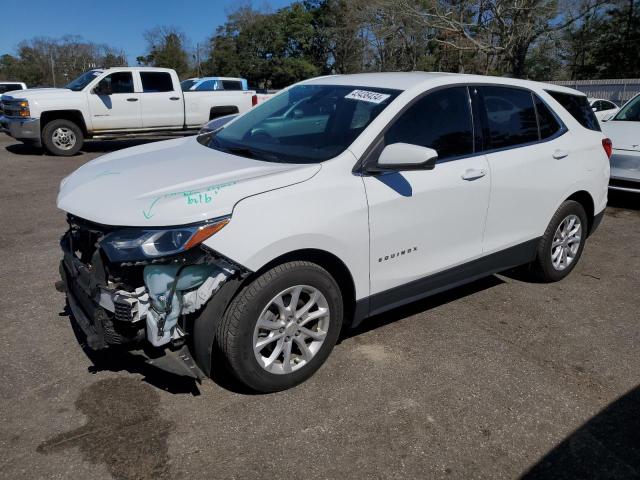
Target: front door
point(118, 110)
point(426, 221)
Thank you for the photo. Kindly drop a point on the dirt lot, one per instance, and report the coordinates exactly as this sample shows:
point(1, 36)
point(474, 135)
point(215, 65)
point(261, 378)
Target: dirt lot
point(498, 379)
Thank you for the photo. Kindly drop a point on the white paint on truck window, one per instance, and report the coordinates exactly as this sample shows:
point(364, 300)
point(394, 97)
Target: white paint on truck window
point(367, 96)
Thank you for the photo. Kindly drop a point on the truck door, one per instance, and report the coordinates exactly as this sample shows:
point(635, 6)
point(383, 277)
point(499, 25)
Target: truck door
point(113, 103)
point(162, 101)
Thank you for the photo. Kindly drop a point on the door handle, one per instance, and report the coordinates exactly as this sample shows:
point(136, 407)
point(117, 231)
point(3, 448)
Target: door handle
point(474, 173)
point(132, 99)
point(558, 154)
point(174, 98)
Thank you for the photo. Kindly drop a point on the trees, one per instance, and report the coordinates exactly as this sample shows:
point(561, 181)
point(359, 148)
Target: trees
point(166, 48)
point(55, 62)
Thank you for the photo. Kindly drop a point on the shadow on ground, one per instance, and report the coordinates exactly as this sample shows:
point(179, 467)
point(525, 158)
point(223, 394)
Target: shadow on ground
point(119, 360)
point(421, 306)
point(90, 146)
point(628, 200)
point(124, 430)
point(606, 447)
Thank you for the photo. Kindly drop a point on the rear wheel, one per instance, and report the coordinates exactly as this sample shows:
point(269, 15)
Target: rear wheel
point(562, 243)
point(281, 328)
point(62, 138)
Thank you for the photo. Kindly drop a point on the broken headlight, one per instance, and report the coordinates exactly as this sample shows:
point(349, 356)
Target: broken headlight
point(131, 244)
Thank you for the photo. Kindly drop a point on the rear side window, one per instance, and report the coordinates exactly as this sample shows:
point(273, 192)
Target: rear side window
point(578, 107)
point(440, 120)
point(511, 116)
point(231, 85)
point(207, 86)
point(547, 121)
point(7, 87)
point(156, 82)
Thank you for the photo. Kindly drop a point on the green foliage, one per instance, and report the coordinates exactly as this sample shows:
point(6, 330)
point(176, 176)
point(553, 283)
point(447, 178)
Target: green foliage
point(55, 62)
point(166, 47)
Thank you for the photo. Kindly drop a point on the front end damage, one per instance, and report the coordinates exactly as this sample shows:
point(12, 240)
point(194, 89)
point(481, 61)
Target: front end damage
point(145, 306)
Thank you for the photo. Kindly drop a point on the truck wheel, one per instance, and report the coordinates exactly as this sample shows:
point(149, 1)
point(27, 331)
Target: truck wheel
point(562, 243)
point(62, 137)
point(281, 327)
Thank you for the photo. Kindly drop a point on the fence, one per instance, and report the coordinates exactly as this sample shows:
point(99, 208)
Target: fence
point(616, 90)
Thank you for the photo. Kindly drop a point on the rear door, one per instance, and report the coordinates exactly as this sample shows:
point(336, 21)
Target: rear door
point(236, 94)
point(118, 110)
point(162, 101)
point(425, 221)
point(531, 163)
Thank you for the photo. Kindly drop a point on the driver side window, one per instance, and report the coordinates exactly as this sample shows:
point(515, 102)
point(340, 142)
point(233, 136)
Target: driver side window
point(121, 82)
point(441, 120)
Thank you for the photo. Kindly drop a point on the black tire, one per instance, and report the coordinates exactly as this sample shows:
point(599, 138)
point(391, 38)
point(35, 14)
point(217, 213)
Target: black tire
point(234, 337)
point(52, 127)
point(542, 267)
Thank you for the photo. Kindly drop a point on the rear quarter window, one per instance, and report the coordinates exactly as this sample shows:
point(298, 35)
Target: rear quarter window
point(578, 107)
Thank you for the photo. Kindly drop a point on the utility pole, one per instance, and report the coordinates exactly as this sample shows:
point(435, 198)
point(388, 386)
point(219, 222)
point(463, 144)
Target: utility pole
point(53, 72)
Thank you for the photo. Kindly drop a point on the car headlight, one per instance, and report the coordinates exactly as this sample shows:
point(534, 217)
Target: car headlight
point(131, 244)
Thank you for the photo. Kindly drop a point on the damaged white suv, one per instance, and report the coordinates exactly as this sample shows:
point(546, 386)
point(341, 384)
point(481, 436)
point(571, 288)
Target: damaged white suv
point(249, 248)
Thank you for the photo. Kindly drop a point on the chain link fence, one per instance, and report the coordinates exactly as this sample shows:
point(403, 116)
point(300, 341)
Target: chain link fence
point(617, 90)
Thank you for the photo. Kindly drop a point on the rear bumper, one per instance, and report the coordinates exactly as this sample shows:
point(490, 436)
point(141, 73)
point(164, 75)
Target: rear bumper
point(26, 129)
point(625, 171)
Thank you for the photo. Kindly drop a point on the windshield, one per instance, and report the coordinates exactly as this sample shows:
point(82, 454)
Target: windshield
point(83, 80)
point(631, 111)
point(187, 84)
point(305, 124)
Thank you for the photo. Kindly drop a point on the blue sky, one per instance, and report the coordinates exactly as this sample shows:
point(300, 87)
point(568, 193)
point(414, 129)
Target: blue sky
point(117, 23)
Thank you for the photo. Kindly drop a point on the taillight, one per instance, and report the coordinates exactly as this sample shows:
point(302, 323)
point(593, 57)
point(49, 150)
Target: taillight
point(254, 100)
point(608, 146)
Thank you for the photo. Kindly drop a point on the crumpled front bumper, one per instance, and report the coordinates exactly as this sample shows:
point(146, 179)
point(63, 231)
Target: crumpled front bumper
point(109, 317)
point(26, 129)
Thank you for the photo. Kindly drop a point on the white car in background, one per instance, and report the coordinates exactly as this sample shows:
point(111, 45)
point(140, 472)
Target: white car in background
point(604, 109)
point(624, 132)
point(340, 198)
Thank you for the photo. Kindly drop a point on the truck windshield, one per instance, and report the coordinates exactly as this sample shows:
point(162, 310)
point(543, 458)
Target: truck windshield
point(187, 84)
point(305, 124)
point(630, 112)
point(83, 80)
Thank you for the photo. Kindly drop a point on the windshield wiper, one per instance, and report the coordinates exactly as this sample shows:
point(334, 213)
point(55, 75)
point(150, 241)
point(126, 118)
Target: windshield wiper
point(246, 152)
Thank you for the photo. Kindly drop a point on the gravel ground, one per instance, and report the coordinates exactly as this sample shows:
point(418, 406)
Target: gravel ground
point(498, 379)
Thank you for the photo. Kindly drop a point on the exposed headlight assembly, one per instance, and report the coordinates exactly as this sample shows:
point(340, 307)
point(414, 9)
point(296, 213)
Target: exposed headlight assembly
point(131, 244)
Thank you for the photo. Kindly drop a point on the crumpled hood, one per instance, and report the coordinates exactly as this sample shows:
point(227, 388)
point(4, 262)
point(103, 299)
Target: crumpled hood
point(174, 182)
point(624, 135)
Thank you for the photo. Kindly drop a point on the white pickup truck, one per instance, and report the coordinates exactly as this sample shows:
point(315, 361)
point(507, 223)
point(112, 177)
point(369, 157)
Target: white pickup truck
point(112, 103)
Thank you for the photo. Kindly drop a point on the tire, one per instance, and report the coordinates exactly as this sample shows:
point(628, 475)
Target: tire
point(546, 267)
point(238, 331)
point(62, 138)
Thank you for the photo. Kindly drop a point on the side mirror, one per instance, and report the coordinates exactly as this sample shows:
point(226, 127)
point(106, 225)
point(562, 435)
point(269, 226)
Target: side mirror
point(405, 156)
point(595, 109)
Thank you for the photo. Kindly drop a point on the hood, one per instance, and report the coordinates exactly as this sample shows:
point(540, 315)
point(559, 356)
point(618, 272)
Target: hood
point(37, 93)
point(174, 182)
point(624, 135)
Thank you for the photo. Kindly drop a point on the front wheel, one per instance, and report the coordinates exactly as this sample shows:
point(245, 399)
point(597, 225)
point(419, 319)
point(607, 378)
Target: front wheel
point(62, 138)
point(281, 327)
point(562, 243)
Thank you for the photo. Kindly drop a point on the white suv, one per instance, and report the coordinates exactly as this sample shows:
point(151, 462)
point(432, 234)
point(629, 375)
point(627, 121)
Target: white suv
point(250, 247)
